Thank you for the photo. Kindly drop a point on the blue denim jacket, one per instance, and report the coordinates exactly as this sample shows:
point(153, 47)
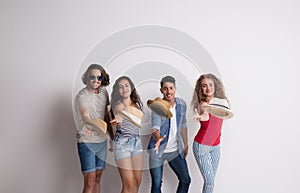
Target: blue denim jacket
point(162, 124)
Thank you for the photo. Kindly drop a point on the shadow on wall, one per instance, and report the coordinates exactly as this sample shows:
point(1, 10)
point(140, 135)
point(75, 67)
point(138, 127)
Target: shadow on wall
point(61, 138)
point(62, 144)
point(44, 158)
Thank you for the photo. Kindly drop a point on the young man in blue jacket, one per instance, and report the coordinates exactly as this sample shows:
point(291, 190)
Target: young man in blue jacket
point(169, 140)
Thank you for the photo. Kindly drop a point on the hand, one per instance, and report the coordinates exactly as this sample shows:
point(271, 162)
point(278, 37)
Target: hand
point(87, 133)
point(157, 144)
point(203, 117)
point(186, 150)
point(111, 149)
point(196, 116)
point(115, 122)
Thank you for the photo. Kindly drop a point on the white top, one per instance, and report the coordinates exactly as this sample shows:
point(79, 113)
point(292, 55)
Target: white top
point(172, 142)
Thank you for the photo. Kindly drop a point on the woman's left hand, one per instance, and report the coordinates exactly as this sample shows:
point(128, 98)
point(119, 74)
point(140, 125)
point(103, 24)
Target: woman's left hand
point(111, 149)
point(115, 122)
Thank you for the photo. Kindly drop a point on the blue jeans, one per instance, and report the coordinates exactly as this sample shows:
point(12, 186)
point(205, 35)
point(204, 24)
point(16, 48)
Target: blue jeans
point(207, 158)
point(177, 164)
point(127, 147)
point(92, 156)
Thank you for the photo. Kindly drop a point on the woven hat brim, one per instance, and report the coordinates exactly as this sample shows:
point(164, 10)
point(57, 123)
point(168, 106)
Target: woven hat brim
point(130, 117)
point(136, 112)
point(220, 112)
point(160, 109)
point(99, 124)
point(149, 102)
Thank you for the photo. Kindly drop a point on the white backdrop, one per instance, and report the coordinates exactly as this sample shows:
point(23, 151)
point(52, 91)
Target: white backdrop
point(254, 45)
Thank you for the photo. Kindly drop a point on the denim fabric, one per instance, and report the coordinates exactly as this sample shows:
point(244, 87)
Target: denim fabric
point(163, 125)
point(92, 156)
point(126, 147)
point(207, 158)
point(177, 164)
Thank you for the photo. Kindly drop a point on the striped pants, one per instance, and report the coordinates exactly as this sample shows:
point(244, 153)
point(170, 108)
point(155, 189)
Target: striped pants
point(207, 158)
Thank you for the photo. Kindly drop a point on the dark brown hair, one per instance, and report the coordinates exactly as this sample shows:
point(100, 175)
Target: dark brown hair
point(167, 79)
point(105, 76)
point(116, 97)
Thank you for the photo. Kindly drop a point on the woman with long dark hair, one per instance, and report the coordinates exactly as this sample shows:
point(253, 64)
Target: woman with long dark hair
point(128, 146)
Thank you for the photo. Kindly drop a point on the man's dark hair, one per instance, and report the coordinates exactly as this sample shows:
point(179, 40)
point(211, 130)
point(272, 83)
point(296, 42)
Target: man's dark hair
point(167, 79)
point(105, 76)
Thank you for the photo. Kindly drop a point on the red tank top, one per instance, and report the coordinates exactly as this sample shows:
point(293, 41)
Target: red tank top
point(210, 131)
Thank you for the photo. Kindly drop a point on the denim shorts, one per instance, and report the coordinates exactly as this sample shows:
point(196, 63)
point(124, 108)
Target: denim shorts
point(92, 156)
point(126, 147)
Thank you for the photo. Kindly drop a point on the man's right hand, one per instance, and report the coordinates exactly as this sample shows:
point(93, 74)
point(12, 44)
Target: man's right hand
point(157, 144)
point(87, 133)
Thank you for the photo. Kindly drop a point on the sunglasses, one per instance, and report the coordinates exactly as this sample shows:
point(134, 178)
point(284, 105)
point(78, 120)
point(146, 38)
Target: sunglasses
point(99, 78)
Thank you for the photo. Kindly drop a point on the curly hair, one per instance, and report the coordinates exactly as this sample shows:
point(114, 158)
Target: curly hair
point(105, 76)
point(116, 97)
point(198, 93)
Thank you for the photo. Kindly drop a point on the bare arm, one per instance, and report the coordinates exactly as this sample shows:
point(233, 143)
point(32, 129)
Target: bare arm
point(107, 119)
point(157, 138)
point(85, 114)
point(199, 113)
point(156, 134)
point(203, 114)
point(85, 117)
point(184, 135)
point(118, 119)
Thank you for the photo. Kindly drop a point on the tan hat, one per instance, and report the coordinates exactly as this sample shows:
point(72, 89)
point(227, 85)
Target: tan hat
point(160, 107)
point(219, 108)
point(133, 115)
point(99, 124)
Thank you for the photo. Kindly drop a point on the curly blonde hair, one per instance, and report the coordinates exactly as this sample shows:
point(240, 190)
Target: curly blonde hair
point(198, 93)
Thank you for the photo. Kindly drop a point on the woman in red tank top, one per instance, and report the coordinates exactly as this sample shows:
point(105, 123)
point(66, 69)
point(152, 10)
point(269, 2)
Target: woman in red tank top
point(206, 146)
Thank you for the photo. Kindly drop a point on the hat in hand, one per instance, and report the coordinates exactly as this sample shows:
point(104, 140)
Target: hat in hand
point(219, 108)
point(160, 107)
point(99, 124)
point(133, 115)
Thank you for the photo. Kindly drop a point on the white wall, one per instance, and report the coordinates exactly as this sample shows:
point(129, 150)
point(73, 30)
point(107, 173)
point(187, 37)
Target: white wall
point(254, 45)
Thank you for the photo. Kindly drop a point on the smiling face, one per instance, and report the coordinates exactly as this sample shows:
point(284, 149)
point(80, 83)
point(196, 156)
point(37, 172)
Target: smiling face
point(208, 87)
point(168, 90)
point(124, 88)
point(94, 80)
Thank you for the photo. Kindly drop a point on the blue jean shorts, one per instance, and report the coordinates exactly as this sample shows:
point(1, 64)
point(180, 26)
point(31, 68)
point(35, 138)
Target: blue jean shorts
point(92, 156)
point(127, 147)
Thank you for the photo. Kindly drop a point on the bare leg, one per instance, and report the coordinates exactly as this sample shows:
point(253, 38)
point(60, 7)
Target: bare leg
point(129, 182)
point(137, 163)
point(89, 182)
point(97, 181)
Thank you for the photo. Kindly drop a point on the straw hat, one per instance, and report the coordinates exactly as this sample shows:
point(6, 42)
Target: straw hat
point(133, 115)
point(160, 107)
point(99, 124)
point(219, 108)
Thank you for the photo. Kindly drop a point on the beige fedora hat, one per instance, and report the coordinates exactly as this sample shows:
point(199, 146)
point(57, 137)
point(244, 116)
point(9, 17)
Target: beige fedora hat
point(160, 107)
point(137, 120)
point(219, 108)
point(99, 124)
point(133, 115)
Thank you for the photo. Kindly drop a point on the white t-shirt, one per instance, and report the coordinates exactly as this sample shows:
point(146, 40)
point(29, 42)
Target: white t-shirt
point(172, 142)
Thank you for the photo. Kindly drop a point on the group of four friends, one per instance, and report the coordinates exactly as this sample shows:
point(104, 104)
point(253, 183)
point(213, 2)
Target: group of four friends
point(169, 140)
